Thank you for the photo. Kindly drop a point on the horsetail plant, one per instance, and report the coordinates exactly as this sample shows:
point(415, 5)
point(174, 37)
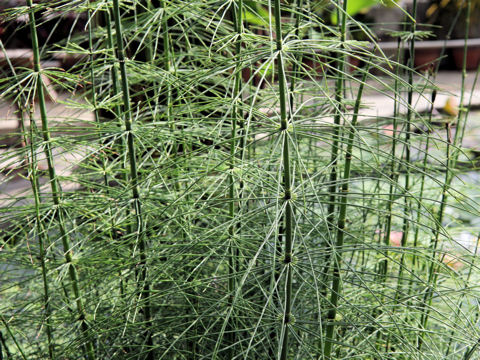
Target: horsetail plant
point(339, 109)
point(340, 228)
point(55, 185)
point(450, 163)
point(407, 144)
point(31, 159)
point(288, 226)
point(239, 191)
point(237, 15)
point(144, 285)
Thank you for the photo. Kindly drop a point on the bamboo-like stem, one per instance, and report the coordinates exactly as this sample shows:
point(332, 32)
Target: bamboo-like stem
point(3, 345)
point(432, 274)
point(94, 92)
point(55, 185)
point(14, 338)
point(33, 178)
point(422, 180)
point(475, 252)
point(42, 234)
point(118, 115)
point(236, 10)
point(295, 67)
point(113, 73)
point(287, 184)
point(136, 201)
point(407, 145)
point(383, 266)
point(450, 164)
point(339, 95)
point(340, 233)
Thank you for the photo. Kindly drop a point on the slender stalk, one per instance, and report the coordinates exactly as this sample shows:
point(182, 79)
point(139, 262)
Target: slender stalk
point(3, 345)
point(340, 233)
point(450, 164)
point(236, 10)
point(55, 185)
point(41, 233)
point(114, 73)
point(136, 201)
point(422, 179)
point(432, 273)
point(383, 266)
point(408, 130)
point(118, 115)
point(12, 335)
point(339, 95)
point(287, 184)
point(94, 92)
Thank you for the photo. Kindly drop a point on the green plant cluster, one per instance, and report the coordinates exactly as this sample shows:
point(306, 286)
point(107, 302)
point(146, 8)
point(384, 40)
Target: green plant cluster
point(229, 197)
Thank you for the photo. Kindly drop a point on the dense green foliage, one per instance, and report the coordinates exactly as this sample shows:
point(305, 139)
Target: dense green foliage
point(228, 199)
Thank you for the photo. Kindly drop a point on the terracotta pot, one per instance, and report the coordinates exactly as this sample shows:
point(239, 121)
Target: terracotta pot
point(426, 59)
point(473, 57)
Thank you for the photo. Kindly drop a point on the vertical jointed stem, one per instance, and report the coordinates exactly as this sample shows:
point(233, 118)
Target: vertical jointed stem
point(287, 184)
point(339, 90)
point(422, 181)
point(55, 185)
point(450, 164)
point(383, 265)
point(136, 203)
point(41, 233)
point(14, 338)
point(237, 9)
point(408, 130)
point(33, 178)
point(332, 190)
point(432, 271)
point(340, 233)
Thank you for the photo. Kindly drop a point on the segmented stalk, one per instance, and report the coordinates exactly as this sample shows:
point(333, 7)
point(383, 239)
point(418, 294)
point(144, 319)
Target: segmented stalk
point(136, 202)
point(340, 233)
point(33, 178)
point(383, 266)
point(14, 338)
point(237, 9)
point(408, 130)
point(55, 185)
point(339, 92)
point(450, 163)
point(422, 180)
point(287, 184)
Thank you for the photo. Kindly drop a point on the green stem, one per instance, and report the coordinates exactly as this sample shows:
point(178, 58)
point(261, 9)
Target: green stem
point(383, 266)
point(339, 91)
point(287, 184)
point(422, 180)
point(42, 234)
point(236, 117)
point(340, 233)
point(136, 202)
point(450, 164)
point(408, 130)
point(54, 183)
point(17, 344)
